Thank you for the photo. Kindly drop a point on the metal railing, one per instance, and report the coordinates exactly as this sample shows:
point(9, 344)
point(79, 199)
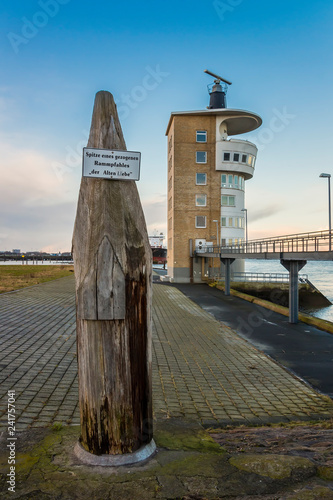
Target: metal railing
point(303, 242)
point(266, 277)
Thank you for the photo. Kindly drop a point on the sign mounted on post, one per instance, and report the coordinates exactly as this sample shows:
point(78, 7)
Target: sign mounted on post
point(111, 164)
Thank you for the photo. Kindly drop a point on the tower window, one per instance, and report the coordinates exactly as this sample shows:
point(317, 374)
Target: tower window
point(201, 136)
point(250, 160)
point(201, 179)
point(201, 157)
point(228, 201)
point(232, 181)
point(201, 200)
point(200, 221)
point(239, 157)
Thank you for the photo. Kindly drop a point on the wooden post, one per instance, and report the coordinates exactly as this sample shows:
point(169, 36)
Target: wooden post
point(113, 269)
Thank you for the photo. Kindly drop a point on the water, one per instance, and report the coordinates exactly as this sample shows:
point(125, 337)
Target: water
point(36, 262)
point(319, 273)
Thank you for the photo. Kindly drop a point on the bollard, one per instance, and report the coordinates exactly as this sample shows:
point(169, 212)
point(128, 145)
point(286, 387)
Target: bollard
point(113, 272)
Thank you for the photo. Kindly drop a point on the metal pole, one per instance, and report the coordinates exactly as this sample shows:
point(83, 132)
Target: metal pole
point(328, 176)
point(329, 214)
point(217, 240)
point(246, 233)
point(217, 232)
point(227, 277)
point(293, 292)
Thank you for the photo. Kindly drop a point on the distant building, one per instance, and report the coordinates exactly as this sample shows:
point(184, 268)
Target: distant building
point(207, 170)
point(16, 251)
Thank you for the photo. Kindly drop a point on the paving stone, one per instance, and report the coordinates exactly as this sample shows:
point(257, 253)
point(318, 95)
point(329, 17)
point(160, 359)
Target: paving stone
point(201, 368)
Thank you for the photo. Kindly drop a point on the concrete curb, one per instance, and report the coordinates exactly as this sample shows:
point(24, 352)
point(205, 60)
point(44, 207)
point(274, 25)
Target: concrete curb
point(322, 324)
point(140, 455)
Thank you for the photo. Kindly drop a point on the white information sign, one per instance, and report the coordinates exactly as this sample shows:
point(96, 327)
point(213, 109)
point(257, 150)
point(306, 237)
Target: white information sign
point(111, 164)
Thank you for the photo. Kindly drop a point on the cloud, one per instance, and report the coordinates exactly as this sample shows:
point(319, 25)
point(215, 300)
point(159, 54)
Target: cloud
point(37, 210)
point(155, 210)
point(265, 212)
point(27, 178)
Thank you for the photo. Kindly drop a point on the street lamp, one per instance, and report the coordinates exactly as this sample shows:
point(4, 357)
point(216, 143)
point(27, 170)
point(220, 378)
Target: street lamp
point(217, 232)
point(328, 176)
point(246, 237)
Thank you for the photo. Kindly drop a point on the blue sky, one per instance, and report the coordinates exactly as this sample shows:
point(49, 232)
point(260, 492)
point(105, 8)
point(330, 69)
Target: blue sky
point(56, 54)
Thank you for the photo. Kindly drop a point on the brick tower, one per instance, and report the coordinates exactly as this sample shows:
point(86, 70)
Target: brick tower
point(207, 170)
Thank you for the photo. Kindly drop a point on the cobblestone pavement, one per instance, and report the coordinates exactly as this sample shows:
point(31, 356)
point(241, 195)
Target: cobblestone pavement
point(38, 353)
point(202, 370)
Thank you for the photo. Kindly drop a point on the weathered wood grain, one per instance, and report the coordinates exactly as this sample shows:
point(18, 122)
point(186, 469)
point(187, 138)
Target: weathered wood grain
point(112, 260)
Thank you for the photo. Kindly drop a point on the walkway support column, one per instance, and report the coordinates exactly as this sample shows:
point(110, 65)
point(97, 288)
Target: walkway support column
point(113, 274)
point(227, 269)
point(293, 266)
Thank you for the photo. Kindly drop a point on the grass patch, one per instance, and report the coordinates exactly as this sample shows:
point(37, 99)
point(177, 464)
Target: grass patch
point(21, 276)
point(57, 426)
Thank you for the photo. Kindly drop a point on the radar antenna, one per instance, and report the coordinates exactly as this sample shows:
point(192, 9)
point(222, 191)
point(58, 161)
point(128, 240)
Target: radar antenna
point(218, 78)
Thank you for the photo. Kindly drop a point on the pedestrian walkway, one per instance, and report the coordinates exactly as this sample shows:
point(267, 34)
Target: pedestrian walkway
point(202, 370)
point(38, 354)
point(207, 372)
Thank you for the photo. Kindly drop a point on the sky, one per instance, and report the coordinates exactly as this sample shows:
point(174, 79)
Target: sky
point(56, 54)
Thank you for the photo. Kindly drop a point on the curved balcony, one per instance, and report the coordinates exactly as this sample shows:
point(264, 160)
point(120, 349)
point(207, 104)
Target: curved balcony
point(237, 156)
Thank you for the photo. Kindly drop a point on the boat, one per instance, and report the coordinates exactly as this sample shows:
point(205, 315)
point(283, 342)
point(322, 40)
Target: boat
point(159, 251)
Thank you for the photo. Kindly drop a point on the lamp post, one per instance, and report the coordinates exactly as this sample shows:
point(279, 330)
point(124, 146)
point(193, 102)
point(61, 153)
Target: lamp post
point(246, 235)
point(328, 176)
point(218, 241)
point(217, 232)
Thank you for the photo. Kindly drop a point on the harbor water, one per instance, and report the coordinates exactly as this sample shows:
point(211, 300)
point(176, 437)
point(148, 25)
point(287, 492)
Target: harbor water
point(320, 273)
